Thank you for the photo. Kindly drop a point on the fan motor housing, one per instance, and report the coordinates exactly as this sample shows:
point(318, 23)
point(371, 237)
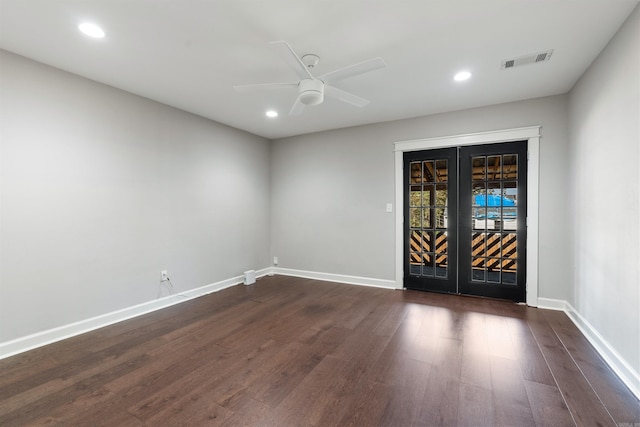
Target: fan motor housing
point(311, 91)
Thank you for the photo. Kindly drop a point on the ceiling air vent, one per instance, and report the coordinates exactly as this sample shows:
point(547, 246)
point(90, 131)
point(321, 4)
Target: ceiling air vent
point(527, 59)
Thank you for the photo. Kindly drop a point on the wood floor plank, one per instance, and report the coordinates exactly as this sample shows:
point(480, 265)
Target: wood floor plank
point(71, 411)
point(392, 321)
point(442, 395)
point(250, 413)
point(367, 406)
point(157, 375)
point(358, 371)
point(500, 344)
point(37, 408)
point(453, 326)
point(585, 406)
point(475, 368)
point(309, 400)
point(533, 366)
point(548, 406)
point(441, 400)
point(292, 365)
point(624, 408)
point(510, 399)
point(292, 351)
point(476, 407)
point(191, 411)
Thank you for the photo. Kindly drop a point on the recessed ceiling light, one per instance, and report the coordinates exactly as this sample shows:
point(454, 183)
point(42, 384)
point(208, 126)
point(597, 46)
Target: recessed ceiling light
point(91, 30)
point(272, 113)
point(462, 76)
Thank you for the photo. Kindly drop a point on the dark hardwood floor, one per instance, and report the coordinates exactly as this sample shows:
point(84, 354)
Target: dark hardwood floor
point(297, 352)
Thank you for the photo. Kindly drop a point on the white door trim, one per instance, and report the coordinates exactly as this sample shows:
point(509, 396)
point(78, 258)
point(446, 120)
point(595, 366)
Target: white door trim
point(532, 135)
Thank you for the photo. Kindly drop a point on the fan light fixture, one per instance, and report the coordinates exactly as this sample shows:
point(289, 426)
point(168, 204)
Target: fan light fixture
point(91, 30)
point(311, 91)
point(271, 114)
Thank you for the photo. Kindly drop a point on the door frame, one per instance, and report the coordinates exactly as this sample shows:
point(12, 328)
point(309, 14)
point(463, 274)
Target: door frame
point(532, 135)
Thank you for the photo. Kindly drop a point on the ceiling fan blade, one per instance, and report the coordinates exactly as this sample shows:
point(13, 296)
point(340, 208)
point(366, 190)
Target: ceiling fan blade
point(353, 70)
point(292, 59)
point(264, 86)
point(345, 96)
point(297, 109)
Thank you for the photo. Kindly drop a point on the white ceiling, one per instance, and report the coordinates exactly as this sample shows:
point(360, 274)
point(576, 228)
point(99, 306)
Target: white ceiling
point(190, 53)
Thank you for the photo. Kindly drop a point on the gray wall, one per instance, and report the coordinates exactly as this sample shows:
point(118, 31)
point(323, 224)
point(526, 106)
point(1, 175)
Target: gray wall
point(101, 189)
point(605, 183)
point(329, 191)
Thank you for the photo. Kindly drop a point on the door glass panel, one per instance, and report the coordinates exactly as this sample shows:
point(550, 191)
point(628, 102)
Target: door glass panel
point(428, 195)
point(478, 193)
point(509, 270)
point(427, 265)
point(478, 269)
point(414, 217)
point(493, 167)
point(441, 195)
point(478, 245)
point(441, 266)
point(478, 165)
point(415, 195)
point(441, 218)
point(509, 245)
point(416, 266)
point(493, 270)
point(481, 222)
point(509, 218)
point(510, 166)
point(493, 244)
point(428, 171)
point(427, 241)
point(510, 193)
point(493, 193)
point(416, 173)
point(493, 215)
point(426, 217)
point(441, 201)
point(441, 242)
point(479, 211)
point(442, 172)
point(416, 241)
point(509, 213)
point(415, 257)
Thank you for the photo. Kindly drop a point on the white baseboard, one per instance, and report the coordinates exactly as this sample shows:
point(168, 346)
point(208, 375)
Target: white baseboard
point(623, 370)
point(552, 304)
point(39, 339)
point(340, 278)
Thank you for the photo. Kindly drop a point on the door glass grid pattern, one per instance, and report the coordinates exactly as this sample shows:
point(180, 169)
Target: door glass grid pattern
point(428, 218)
point(494, 201)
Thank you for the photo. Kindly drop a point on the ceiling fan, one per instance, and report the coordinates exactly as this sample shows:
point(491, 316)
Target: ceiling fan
point(311, 89)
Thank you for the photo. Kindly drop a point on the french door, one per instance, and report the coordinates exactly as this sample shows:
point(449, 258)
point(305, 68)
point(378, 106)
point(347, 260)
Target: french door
point(465, 220)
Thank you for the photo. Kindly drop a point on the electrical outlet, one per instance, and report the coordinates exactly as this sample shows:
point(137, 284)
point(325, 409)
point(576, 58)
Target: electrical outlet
point(275, 260)
point(164, 276)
